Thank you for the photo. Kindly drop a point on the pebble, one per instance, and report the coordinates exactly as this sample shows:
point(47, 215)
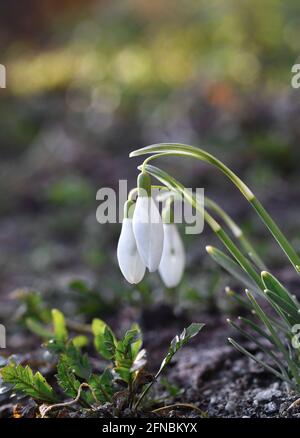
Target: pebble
point(271, 407)
point(230, 407)
point(267, 394)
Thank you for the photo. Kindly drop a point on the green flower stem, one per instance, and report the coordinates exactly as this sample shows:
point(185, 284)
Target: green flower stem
point(237, 232)
point(168, 149)
point(173, 184)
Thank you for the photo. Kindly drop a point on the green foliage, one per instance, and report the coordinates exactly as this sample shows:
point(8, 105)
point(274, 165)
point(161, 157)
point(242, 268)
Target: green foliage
point(23, 379)
point(66, 378)
point(77, 361)
point(103, 386)
point(126, 357)
point(123, 353)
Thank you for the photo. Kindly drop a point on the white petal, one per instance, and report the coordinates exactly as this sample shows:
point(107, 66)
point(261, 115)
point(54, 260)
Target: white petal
point(173, 257)
point(148, 231)
point(130, 262)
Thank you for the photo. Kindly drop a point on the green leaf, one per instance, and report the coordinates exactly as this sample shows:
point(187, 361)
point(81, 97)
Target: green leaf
point(38, 329)
point(137, 345)
point(70, 385)
point(279, 303)
point(175, 345)
point(271, 283)
point(77, 361)
point(104, 339)
point(232, 267)
point(124, 358)
point(262, 347)
point(60, 330)
point(66, 379)
point(55, 346)
point(260, 362)
point(103, 385)
point(273, 333)
point(80, 341)
point(179, 341)
point(34, 385)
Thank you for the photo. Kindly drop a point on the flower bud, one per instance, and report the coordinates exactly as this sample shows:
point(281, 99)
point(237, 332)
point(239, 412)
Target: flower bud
point(147, 225)
point(173, 256)
point(130, 262)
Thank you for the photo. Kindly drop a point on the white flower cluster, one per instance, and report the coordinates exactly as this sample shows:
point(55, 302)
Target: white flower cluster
point(146, 241)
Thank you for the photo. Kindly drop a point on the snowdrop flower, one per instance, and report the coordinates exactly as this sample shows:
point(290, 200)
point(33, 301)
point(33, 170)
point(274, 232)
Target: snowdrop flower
point(130, 262)
point(173, 257)
point(147, 225)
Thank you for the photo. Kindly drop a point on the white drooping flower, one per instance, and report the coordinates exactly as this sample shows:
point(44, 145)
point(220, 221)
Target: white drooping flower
point(173, 256)
point(130, 262)
point(148, 231)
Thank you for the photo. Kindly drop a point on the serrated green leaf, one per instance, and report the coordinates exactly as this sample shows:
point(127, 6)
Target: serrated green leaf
point(70, 385)
point(103, 385)
point(179, 341)
point(66, 379)
point(176, 343)
point(77, 361)
point(34, 385)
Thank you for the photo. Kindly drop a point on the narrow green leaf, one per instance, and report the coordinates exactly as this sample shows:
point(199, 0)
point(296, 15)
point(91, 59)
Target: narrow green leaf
point(265, 319)
point(292, 316)
point(260, 362)
point(232, 267)
point(38, 329)
point(263, 348)
point(271, 283)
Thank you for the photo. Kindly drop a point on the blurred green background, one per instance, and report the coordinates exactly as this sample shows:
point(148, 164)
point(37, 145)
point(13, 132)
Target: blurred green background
point(88, 81)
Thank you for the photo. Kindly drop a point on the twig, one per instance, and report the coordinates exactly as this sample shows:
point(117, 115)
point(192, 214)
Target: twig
point(182, 405)
point(44, 409)
point(295, 404)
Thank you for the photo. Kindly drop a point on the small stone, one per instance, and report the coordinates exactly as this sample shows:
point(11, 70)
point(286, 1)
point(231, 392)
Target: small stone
point(230, 407)
point(267, 394)
point(271, 407)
